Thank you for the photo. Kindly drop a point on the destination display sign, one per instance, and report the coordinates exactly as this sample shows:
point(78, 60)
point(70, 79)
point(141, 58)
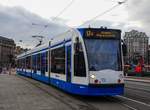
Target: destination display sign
point(102, 33)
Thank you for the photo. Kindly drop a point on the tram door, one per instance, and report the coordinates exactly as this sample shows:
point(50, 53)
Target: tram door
point(68, 63)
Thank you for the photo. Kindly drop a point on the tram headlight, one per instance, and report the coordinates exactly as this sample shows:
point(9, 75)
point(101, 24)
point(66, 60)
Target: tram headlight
point(92, 76)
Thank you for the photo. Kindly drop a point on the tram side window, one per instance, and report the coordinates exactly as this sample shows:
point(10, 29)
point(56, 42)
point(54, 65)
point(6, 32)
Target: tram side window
point(58, 60)
point(44, 62)
point(24, 63)
point(18, 63)
point(38, 62)
point(28, 62)
point(34, 65)
point(21, 63)
point(79, 61)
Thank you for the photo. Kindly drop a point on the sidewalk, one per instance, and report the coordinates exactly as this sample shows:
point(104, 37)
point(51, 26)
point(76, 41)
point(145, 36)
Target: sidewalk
point(138, 79)
point(19, 94)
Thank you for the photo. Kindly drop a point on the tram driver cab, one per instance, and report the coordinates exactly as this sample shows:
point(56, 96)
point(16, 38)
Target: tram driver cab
point(103, 52)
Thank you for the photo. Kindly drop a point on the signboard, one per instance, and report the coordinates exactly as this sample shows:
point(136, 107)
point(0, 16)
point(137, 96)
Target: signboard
point(102, 33)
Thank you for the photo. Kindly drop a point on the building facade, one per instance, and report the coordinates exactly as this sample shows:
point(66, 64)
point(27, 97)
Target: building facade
point(19, 50)
point(148, 54)
point(137, 46)
point(7, 48)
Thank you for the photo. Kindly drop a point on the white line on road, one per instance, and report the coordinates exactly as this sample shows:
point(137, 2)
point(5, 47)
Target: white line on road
point(137, 80)
point(129, 107)
point(134, 100)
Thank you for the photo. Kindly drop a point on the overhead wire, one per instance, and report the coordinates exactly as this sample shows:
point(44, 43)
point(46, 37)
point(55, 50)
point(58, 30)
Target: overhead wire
point(67, 6)
point(60, 13)
point(97, 16)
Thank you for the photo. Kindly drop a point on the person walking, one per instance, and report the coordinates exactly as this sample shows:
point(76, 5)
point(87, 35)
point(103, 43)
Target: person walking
point(138, 69)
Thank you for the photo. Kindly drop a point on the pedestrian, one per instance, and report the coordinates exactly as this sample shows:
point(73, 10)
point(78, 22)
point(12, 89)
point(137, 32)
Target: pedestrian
point(138, 69)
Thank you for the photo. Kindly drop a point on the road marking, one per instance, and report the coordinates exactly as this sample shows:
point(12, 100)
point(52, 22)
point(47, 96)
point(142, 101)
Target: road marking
point(137, 80)
point(134, 100)
point(132, 108)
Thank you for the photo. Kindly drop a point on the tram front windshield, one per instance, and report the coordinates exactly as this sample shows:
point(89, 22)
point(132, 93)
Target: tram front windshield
point(103, 54)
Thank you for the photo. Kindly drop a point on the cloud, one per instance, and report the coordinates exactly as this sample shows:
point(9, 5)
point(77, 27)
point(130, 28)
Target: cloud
point(59, 20)
point(16, 23)
point(138, 11)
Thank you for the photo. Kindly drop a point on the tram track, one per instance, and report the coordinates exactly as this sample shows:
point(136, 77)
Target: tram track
point(116, 100)
point(137, 95)
point(138, 92)
point(125, 102)
point(112, 98)
point(136, 101)
point(133, 88)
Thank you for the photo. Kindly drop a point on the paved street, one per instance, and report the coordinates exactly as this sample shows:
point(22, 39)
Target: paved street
point(20, 93)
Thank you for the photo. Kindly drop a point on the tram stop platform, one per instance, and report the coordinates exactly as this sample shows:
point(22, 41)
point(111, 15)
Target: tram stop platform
point(16, 93)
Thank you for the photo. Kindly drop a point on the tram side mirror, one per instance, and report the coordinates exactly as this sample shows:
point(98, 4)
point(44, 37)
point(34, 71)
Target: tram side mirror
point(124, 49)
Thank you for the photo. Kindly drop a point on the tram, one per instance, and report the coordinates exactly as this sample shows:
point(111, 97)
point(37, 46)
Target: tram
point(85, 61)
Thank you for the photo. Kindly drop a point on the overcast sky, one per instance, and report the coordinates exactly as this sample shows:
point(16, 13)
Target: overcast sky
point(17, 17)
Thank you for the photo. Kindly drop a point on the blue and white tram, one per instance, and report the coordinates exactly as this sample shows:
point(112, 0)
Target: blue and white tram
point(85, 61)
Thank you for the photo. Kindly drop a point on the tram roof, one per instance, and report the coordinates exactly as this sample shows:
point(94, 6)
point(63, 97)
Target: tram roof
point(59, 38)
